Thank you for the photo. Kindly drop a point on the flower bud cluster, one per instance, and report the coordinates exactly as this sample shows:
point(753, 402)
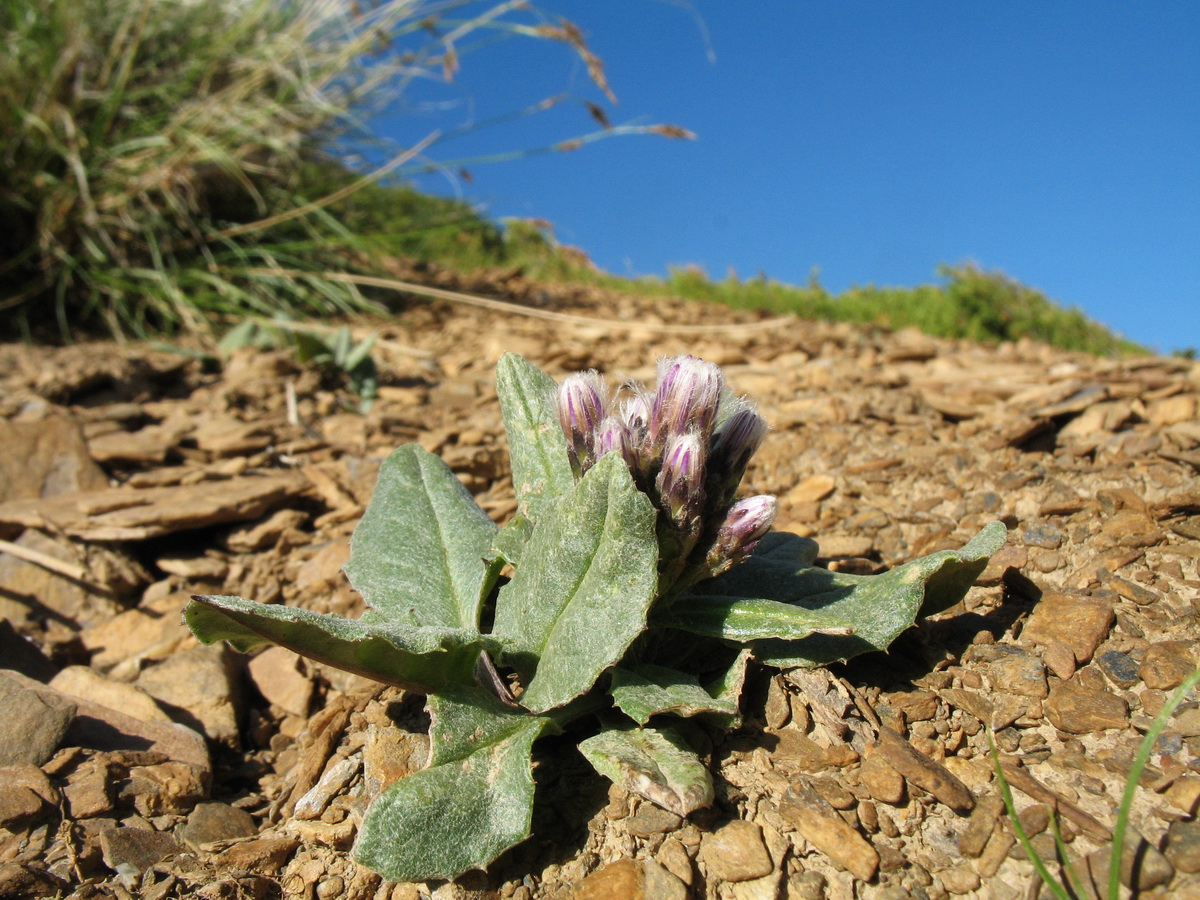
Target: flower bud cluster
point(687, 444)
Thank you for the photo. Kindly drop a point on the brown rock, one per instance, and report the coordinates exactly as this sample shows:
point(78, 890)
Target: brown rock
point(166, 788)
point(100, 728)
point(844, 545)
point(881, 781)
point(124, 514)
point(391, 754)
point(257, 536)
point(35, 722)
point(30, 880)
point(1171, 410)
point(33, 592)
point(1010, 556)
point(1079, 622)
point(674, 858)
point(88, 684)
point(31, 777)
point(628, 879)
point(227, 436)
point(198, 687)
point(820, 825)
point(45, 457)
point(325, 566)
point(651, 819)
point(214, 821)
point(917, 705)
point(736, 852)
point(148, 445)
point(136, 848)
point(1130, 528)
point(277, 673)
point(266, 855)
point(88, 791)
point(1132, 591)
point(962, 879)
point(979, 828)
point(1011, 669)
point(1183, 846)
point(334, 780)
point(810, 490)
point(153, 629)
point(1076, 709)
point(1141, 863)
point(19, 806)
point(1167, 663)
point(1060, 659)
point(922, 771)
point(971, 702)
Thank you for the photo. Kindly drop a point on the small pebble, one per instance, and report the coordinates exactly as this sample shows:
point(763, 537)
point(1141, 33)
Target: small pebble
point(1079, 710)
point(1120, 668)
point(1167, 663)
point(735, 852)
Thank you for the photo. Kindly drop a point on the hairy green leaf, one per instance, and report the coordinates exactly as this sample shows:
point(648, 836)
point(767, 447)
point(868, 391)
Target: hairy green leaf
point(879, 606)
point(420, 659)
point(512, 538)
point(736, 618)
point(473, 803)
point(649, 690)
point(655, 763)
point(417, 555)
point(581, 594)
point(541, 470)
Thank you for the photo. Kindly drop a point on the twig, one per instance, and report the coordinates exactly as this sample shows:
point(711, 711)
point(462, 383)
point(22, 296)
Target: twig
point(517, 309)
point(53, 564)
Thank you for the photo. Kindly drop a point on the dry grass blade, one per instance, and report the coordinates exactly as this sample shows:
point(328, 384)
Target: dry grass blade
point(517, 309)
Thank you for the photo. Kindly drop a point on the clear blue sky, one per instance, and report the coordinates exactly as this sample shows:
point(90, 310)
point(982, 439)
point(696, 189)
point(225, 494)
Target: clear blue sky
point(1058, 142)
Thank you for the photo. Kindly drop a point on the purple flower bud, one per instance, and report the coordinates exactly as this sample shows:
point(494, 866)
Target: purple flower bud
point(687, 397)
point(680, 481)
point(635, 410)
point(736, 440)
point(744, 525)
point(612, 435)
point(580, 411)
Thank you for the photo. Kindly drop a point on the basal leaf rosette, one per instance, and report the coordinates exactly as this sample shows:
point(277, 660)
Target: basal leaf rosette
point(632, 587)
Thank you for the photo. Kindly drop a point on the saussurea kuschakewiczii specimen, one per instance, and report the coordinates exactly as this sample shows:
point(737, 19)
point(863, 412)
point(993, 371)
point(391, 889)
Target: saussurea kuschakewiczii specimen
point(635, 588)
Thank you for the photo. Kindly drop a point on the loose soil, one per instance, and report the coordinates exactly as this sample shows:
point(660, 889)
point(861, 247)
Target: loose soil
point(132, 477)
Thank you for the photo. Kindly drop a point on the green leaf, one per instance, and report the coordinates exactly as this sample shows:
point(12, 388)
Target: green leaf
point(727, 688)
point(418, 659)
point(649, 690)
point(581, 594)
point(782, 548)
point(741, 619)
point(417, 555)
point(473, 803)
point(879, 606)
point(512, 538)
point(655, 763)
point(541, 470)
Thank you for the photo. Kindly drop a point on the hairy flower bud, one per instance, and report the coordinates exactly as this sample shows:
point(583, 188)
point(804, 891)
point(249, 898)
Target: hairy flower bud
point(635, 410)
point(580, 411)
point(612, 435)
point(687, 397)
point(680, 481)
point(736, 440)
point(744, 525)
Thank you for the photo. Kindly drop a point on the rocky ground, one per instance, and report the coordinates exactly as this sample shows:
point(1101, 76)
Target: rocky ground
point(139, 764)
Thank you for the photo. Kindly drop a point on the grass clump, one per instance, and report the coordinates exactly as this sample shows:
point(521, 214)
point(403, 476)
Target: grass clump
point(167, 162)
point(970, 304)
